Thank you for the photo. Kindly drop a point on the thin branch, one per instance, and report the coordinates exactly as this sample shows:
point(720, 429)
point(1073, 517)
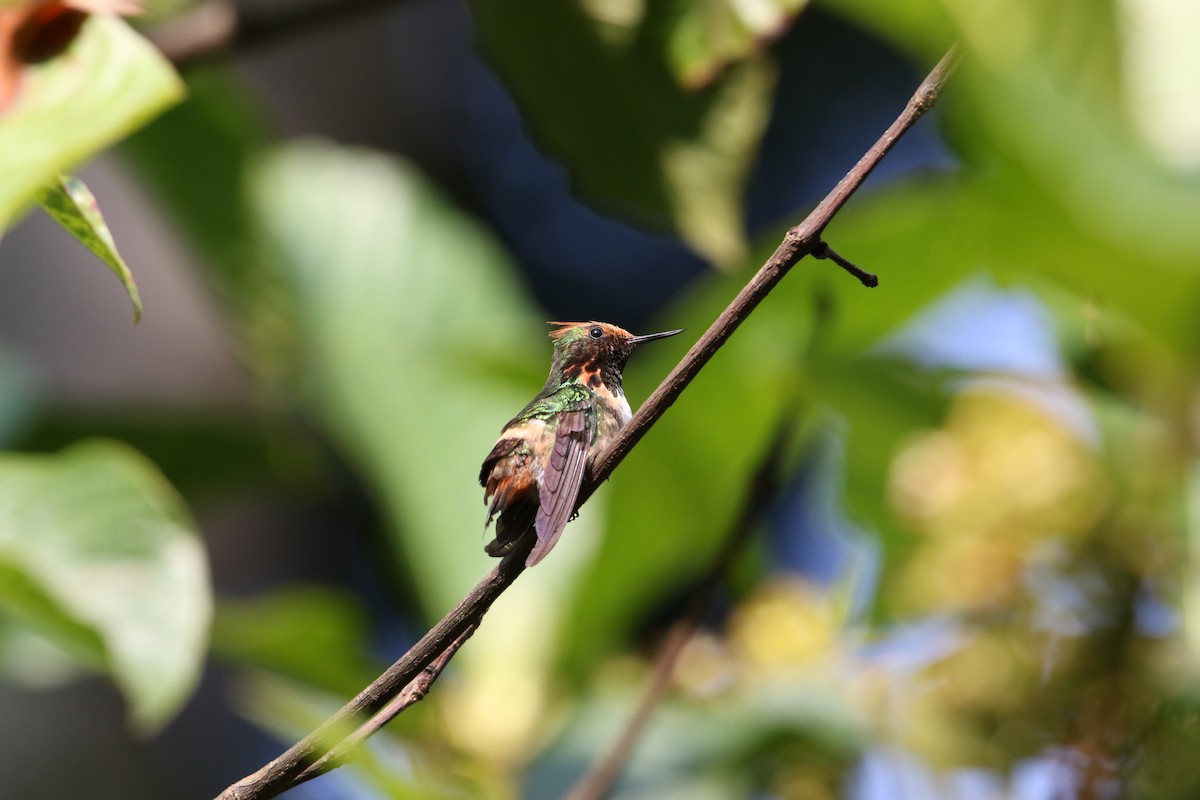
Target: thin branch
point(413, 693)
point(217, 27)
point(800, 241)
point(281, 773)
point(763, 486)
point(868, 279)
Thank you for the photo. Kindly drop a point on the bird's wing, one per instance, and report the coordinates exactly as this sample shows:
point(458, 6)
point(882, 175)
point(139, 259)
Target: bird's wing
point(561, 480)
point(499, 482)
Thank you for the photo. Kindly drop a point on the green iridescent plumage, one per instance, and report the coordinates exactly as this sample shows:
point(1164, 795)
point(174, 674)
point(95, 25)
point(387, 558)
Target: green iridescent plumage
point(533, 473)
point(549, 404)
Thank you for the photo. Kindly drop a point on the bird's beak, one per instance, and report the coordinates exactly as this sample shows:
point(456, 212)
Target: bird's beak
point(651, 336)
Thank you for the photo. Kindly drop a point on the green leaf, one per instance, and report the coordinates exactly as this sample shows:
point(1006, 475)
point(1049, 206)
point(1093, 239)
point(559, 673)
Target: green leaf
point(412, 331)
point(29, 605)
point(705, 36)
point(600, 97)
point(316, 636)
point(73, 206)
point(98, 553)
point(108, 83)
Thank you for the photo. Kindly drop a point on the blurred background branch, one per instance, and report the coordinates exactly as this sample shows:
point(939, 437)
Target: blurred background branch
point(762, 490)
point(414, 692)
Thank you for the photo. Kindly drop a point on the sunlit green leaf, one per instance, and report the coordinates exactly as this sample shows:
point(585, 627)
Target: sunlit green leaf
point(408, 310)
point(108, 83)
point(73, 206)
point(707, 35)
point(98, 554)
point(27, 603)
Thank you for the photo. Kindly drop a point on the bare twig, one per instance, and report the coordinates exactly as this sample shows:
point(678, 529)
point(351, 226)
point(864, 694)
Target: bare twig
point(868, 279)
point(764, 485)
point(281, 773)
point(799, 241)
point(413, 693)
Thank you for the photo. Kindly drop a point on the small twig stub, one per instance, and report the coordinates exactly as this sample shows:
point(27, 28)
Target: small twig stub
point(823, 250)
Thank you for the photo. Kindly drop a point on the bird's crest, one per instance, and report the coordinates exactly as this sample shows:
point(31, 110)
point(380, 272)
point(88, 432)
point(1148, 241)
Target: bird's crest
point(564, 329)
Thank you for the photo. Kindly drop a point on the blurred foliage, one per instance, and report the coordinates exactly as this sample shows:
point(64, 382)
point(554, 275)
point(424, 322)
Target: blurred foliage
point(703, 38)
point(73, 206)
point(670, 153)
point(1024, 597)
point(292, 631)
point(99, 563)
point(399, 305)
point(71, 84)
point(98, 554)
point(222, 130)
point(109, 82)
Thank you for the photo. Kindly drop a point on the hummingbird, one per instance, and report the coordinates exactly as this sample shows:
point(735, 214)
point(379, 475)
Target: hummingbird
point(533, 474)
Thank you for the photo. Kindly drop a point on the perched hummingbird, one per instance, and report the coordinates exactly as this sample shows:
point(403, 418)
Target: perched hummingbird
point(533, 474)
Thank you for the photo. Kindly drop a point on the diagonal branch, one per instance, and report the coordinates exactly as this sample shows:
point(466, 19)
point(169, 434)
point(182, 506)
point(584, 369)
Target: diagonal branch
point(413, 693)
point(281, 773)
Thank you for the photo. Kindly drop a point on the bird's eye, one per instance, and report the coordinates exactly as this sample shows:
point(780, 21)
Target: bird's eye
point(596, 332)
